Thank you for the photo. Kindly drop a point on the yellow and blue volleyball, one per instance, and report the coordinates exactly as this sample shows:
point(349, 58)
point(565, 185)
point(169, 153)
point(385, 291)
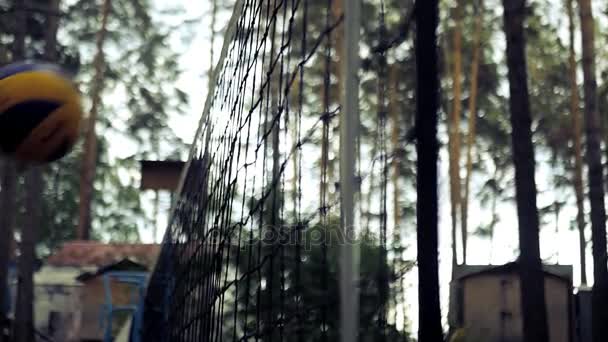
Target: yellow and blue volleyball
point(40, 112)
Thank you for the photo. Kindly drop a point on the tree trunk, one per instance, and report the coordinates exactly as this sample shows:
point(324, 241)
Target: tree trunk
point(295, 165)
point(24, 310)
point(7, 222)
point(448, 71)
point(369, 195)
point(492, 226)
point(393, 110)
point(454, 126)
point(336, 12)
point(595, 177)
point(274, 225)
point(87, 176)
point(212, 43)
point(578, 154)
point(397, 153)
point(50, 39)
point(24, 315)
point(9, 178)
point(531, 274)
point(324, 161)
point(464, 215)
point(427, 148)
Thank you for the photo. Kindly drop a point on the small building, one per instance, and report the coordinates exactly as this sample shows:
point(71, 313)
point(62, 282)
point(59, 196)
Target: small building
point(99, 293)
point(70, 293)
point(485, 302)
point(57, 294)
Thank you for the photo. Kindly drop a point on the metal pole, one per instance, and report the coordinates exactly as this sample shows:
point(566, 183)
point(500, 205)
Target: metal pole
point(349, 124)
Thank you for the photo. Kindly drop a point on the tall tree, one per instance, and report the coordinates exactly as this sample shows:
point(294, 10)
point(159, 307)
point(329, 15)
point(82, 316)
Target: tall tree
point(531, 274)
point(594, 170)
point(472, 112)
point(214, 10)
point(9, 175)
point(577, 142)
point(89, 156)
point(24, 308)
point(24, 315)
point(396, 162)
point(454, 129)
point(427, 148)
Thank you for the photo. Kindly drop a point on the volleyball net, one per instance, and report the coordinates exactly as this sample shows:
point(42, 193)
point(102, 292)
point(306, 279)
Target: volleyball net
point(252, 247)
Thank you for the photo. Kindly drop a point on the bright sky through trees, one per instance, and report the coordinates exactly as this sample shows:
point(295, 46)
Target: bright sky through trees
point(560, 248)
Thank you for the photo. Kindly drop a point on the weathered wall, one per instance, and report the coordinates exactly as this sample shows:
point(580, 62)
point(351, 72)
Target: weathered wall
point(492, 308)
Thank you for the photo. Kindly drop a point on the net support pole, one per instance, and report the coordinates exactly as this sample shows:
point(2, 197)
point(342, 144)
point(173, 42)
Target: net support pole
point(349, 126)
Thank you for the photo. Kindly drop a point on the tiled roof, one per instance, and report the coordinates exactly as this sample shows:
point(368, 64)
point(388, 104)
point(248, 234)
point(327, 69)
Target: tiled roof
point(123, 265)
point(93, 253)
point(466, 271)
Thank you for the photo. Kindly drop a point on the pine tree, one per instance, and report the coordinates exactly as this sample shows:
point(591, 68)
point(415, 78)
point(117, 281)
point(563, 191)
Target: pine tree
point(396, 148)
point(595, 176)
point(578, 154)
point(472, 112)
point(24, 308)
point(454, 129)
point(214, 10)
point(427, 147)
point(90, 143)
point(24, 315)
point(531, 273)
point(9, 173)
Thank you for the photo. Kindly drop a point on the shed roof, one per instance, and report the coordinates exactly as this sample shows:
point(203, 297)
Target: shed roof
point(98, 254)
point(123, 265)
point(63, 276)
point(462, 272)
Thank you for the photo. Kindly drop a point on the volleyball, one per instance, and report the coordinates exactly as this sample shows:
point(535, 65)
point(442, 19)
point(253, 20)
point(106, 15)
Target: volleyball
point(40, 112)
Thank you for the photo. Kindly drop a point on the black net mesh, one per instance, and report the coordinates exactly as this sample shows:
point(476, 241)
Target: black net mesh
point(251, 251)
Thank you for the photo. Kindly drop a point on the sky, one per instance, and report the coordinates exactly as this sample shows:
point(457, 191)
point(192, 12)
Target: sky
point(194, 60)
point(556, 247)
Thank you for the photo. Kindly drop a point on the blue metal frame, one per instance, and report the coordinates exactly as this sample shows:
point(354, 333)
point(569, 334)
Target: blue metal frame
point(7, 306)
point(139, 280)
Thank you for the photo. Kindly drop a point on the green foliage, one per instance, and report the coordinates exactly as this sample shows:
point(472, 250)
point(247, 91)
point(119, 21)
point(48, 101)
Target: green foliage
point(311, 284)
point(139, 99)
point(547, 61)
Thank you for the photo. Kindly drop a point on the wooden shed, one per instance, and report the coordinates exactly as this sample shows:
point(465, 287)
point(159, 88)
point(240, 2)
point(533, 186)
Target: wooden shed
point(160, 175)
point(56, 295)
point(94, 299)
point(87, 262)
point(485, 302)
